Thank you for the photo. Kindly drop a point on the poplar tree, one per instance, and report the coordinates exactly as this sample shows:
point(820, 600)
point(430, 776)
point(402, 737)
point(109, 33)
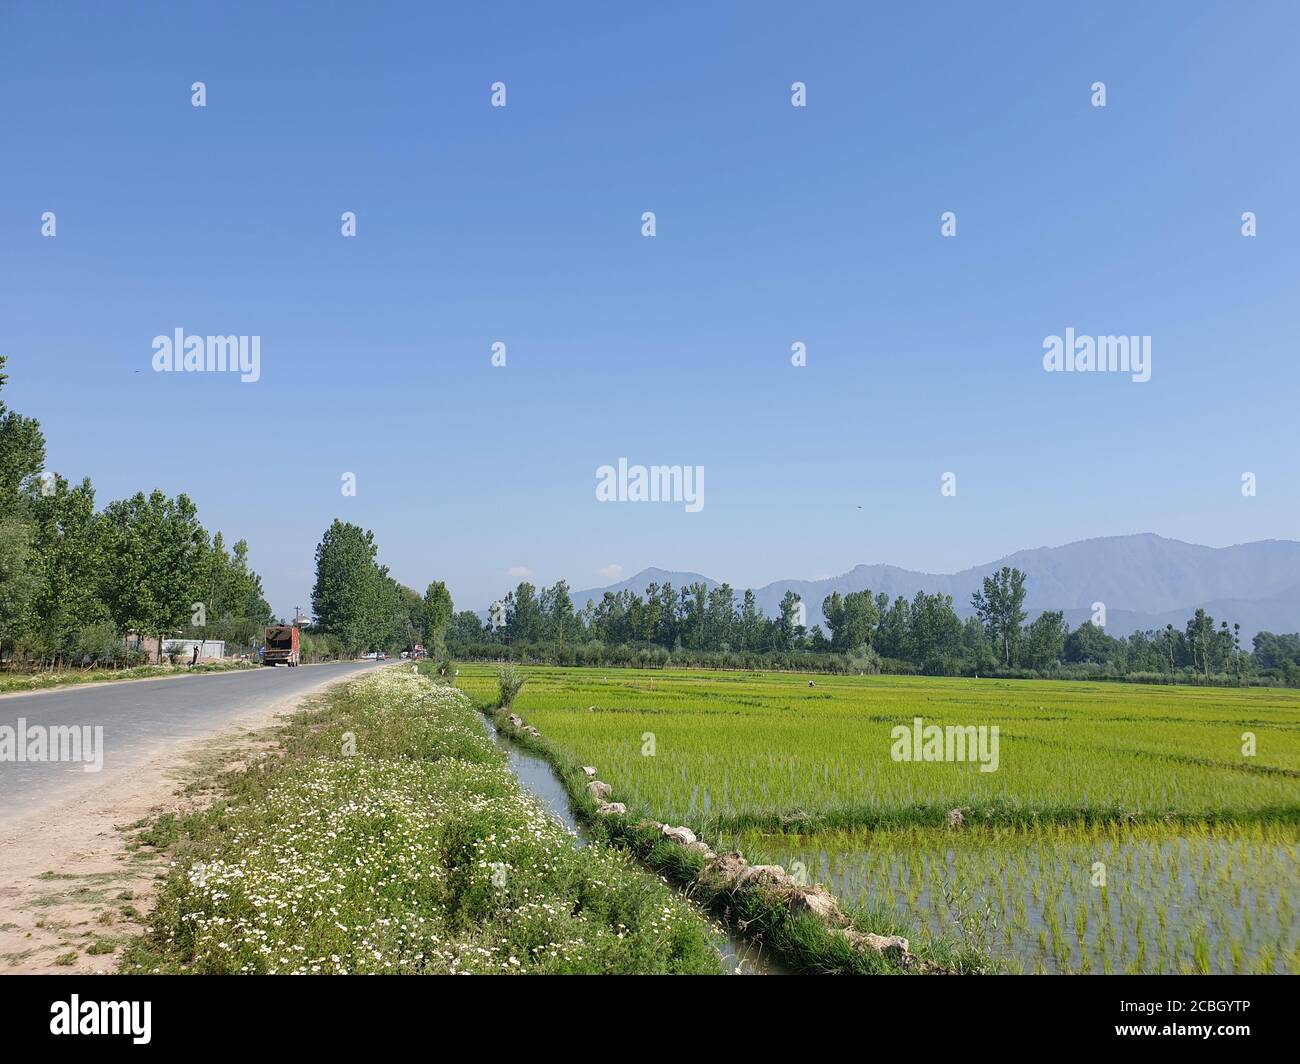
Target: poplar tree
point(999, 606)
point(438, 610)
point(343, 598)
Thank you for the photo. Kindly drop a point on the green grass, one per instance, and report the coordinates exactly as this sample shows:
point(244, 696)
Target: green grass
point(1199, 842)
point(391, 837)
point(39, 680)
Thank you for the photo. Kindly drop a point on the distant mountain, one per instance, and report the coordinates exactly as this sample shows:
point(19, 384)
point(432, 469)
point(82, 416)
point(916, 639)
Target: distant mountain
point(1145, 580)
point(640, 582)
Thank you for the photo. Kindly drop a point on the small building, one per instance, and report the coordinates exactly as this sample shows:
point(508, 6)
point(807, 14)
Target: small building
point(209, 649)
point(145, 644)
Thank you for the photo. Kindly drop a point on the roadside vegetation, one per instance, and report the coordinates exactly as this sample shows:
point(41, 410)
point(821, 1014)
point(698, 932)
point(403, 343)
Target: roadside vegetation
point(18, 682)
point(74, 579)
point(389, 835)
point(84, 587)
point(359, 608)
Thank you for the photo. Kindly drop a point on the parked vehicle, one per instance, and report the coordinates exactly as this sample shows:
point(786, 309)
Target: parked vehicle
point(281, 645)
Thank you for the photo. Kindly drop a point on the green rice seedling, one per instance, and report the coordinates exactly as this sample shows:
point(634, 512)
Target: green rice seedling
point(1148, 781)
point(764, 751)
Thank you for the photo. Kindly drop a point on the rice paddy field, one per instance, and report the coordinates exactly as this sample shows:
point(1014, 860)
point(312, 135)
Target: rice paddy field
point(1125, 829)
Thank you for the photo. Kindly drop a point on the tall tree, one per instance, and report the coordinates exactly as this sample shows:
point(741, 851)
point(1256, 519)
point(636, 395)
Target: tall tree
point(523, 614)
point(153, 546)
point(694, 601)
point(788, 627)
point(752, 623)
point(1201, 640)
point(852, 619)
point(344, 598)
point(720, 618)
point(833, 611)
point(892, 635)
point(68, 560)
point(559, 620)
point(243, 588)
point(934, 633)
point(667, 628)
point(22, 454)
point(466, 627)
point(1089, 643)
point(18, 582)
point(1045, 639)
point(1000, 606)
point(438, 611)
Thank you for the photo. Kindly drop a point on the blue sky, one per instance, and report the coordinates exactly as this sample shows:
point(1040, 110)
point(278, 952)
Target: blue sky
point(775, 225)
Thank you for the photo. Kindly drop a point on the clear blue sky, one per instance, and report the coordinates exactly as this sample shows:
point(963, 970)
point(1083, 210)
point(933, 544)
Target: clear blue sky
point(775, 224)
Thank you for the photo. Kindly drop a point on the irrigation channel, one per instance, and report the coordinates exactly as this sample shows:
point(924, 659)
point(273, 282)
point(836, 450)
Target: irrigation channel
point(739, 956)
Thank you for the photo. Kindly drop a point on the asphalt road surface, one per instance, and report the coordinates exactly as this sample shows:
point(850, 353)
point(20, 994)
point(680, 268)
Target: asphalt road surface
point(136, 716)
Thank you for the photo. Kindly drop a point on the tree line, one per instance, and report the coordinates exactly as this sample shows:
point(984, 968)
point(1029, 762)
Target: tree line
point(360, 608)
point(74, 579)
point(864, 632)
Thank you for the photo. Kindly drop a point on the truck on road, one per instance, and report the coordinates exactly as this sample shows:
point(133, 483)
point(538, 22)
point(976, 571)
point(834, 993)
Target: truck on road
point(281, 645)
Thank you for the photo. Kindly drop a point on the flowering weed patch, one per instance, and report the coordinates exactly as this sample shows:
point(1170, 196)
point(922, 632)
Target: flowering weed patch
point(392, 837)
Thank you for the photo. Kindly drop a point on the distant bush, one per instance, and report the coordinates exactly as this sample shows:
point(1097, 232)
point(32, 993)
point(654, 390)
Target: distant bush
point(646, 656)
point(99, 644)
point(316, 646)
point(511, 681)
point(864, 659)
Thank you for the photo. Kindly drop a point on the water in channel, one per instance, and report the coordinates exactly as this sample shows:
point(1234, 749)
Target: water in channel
point(739, 956)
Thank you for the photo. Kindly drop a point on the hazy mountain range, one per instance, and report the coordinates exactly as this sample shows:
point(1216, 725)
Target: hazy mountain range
point(1145, 580)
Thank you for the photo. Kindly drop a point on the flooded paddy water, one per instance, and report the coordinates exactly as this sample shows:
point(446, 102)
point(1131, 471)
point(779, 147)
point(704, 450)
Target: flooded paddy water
point(1074, 899)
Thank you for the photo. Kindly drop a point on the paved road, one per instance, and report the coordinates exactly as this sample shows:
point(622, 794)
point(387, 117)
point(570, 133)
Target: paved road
point(138, 715)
